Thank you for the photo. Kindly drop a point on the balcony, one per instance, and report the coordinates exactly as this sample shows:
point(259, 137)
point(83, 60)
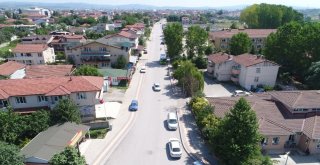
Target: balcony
point(95, 58)
point(235, 70)
point(96, 53)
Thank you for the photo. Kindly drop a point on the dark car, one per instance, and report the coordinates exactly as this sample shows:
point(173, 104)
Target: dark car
point(162, 43)
point(134, 105)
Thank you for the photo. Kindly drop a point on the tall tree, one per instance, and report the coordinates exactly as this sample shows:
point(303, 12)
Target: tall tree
point(238, 135)
point(69, 156)
point(196, 40)
point(10, 154)
point(87, 70)
point(120, 63)
point(240, 43)
point(313, 76)
point(65, 111)
point(173, 35)
point(189, 78)
point(269, 16)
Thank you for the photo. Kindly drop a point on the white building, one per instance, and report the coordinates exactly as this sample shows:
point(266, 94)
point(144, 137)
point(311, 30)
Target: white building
point(102, 27)
point(120, 38)
point(33, 54)
point(25, 95)
point(36, 10)
point(247, 70)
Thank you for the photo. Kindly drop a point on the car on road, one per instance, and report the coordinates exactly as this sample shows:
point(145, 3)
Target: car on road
point(172, 121)
point(175, 148)
point(145, 52)
point(162, 43)
point(240, 93)
point(134, 105)
point(143, 69)
point(156, 87)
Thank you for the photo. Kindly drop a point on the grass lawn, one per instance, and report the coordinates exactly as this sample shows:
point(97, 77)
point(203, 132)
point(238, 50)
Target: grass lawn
point(120, 87)
point(4, 50)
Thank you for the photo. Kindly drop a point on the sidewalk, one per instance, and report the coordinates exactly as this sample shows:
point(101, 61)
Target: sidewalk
point(92, 149)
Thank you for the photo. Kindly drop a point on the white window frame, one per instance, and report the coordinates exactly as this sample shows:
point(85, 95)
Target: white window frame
point(21, 100)
point(81, 96)
point(256, 79)
point(42, 99)
point(275, 140)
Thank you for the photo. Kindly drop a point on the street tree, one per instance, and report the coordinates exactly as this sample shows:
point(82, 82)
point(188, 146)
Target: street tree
point(238, 135)
point(69, 156)
point(65, 111)
point(120, 63)
point(10, 154)
point(87, 70)
point(196, 40)
point(173, 35)
point(240, 43)
point(189, 78)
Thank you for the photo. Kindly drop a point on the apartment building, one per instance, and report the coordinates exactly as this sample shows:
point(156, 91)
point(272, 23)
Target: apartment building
point(60, 43)
point(29, 95)
point(221, 39)
point(98, 54)
point(37, 39)
point(33, 54)
point(247, 70)
point(287, 119)
point(121, 38)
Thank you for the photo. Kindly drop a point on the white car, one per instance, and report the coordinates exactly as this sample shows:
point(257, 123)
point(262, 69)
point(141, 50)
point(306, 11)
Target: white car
point(143, 69)
point(156, 87)
point(172, 121)
point(175, 148)
point(240, 93)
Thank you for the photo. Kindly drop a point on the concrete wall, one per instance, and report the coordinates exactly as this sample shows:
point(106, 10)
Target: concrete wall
point(306, 142)
point(222, 71)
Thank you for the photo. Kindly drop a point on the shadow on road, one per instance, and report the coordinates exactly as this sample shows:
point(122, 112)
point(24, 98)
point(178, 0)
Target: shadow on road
point(155, 64)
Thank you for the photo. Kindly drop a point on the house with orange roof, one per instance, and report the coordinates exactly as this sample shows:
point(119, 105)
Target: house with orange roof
point(29, 95)
point(12, 70)
point(287, 119)
point(121, 37)
point(247, 70)
point(221, 39)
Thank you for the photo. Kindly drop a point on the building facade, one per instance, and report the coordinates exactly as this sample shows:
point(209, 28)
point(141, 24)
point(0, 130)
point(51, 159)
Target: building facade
point(121, 38)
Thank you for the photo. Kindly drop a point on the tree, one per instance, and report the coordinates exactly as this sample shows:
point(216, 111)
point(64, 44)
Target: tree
point(65, 111)
point(208, 50)
point(238, 136)
point(189, 78)
point(10, 129)
point(10, 154)
point(173, 18)
point(87, 70)
point(173, 35)
point(103, 19)
point(240, 43)
point(200, 62)
point(234, 25)
point(142, 41)
point(269, 16)
point(120, 63)
point(69, 156)
point(196, 40)
point(313, 76)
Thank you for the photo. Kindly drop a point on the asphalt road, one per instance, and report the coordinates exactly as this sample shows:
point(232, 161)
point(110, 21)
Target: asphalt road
point(146, 141)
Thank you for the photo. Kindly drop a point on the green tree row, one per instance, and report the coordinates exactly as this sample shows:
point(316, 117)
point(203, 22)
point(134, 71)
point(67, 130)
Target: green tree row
point(269, 16)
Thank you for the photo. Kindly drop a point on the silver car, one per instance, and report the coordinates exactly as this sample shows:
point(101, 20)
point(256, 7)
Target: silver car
point(175, 148)
point(156, 87)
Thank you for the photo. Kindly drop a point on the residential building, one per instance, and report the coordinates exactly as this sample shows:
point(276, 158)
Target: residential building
point(287, 119)
point(221, 39)
point(120, 38)
point(61, 43)
point(33, 54)
point(102, 27)
point(98, 54)
point(247, 70)
point(29, 95)
point(54, 140)
point(114, 76)
point(137, 26)
point(117, 24)
point(12, 70)
point(185, 20)
point(36, 10)
point(37, 39)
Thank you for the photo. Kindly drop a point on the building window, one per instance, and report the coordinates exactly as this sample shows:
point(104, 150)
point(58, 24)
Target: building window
point(264, 141)
point(258, 70)
point(57, 98)
point(39, 54)
point(21, 100)
point(318, 144)
point(275, 140)
point(87, 49)
point(3, 103)
point(103, 64)
point(42, 98)
point(103, 49)
point(256, 79)
point(81, 96)
point(28, 54)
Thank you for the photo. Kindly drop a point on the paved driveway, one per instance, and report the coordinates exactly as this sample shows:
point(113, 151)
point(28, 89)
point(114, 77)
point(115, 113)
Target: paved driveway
point(214, 88)
point(296, 159)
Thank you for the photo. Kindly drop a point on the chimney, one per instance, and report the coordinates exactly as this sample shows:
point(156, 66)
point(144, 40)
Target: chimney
point(70, 78)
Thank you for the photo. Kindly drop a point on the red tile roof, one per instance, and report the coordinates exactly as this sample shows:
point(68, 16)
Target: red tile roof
point(38, 71)
point(60, 90)
point(252, 33)
point(10, 67)
point(43, 86)
point(29, 48)
point(250, 59)
point(123, 34)
point(73, 36)
point(220, 57)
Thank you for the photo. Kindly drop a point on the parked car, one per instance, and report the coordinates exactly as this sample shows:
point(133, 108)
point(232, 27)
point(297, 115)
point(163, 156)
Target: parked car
point(162, 43)
point(156, 87)
point(172, 121)
point(145, 52)
point(175, 148)
point(240, 93)
point(134, 105)
point(143, 69)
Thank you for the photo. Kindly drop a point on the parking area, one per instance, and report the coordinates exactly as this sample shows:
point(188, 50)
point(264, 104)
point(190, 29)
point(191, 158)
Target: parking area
point(114, 94)
point(296, 159)
point(214, 88)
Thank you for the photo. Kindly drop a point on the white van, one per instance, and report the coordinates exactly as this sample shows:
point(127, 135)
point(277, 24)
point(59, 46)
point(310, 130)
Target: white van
point(172, 121)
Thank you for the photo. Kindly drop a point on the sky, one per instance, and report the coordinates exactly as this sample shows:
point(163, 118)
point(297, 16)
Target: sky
point(192, 3)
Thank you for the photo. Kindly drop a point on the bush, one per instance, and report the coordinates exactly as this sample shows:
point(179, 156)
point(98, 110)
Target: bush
point(98, 133)
point(200, 62)
point(267, 88)
point(123, 83)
